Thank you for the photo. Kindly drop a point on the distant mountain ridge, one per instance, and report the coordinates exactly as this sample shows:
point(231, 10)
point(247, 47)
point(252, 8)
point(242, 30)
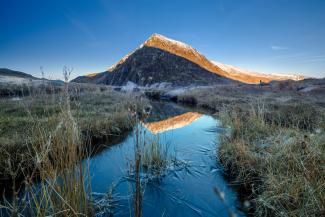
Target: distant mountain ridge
point(13, 73)
point(160, 59)
point(8, 76)
point(236, 70)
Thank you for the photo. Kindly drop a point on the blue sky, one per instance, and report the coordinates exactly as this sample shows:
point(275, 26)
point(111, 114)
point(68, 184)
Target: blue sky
point(272, 36)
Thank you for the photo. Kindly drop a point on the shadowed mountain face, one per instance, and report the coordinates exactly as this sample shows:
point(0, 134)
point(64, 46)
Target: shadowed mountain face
point(149, 65)
point(160, 59)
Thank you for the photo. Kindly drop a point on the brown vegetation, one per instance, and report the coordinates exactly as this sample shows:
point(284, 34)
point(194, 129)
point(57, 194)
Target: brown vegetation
point(278, 155)
point(45, 136)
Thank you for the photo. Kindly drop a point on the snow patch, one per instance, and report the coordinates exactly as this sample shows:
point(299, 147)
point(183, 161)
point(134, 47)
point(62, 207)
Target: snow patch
point(14, 80)
point(129, 87)
point(237, 70)
point(161, 85)
point(168, 40)
point(308, 89)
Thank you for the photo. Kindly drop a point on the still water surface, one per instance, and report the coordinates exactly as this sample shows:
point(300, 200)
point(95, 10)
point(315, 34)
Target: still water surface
point(186, 187)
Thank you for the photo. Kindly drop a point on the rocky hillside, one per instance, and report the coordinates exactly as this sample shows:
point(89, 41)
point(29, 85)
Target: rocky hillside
point(160, 59)
point(149, 65)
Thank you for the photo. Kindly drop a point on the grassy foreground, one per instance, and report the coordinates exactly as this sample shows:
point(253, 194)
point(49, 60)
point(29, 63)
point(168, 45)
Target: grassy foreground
point(214, 98)
point(275, 150)
point(98, 115)
point(276, 153)
point(46, 136)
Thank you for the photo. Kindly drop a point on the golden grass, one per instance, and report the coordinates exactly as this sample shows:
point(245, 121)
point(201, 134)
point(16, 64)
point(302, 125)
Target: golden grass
point(54, 156)
point(45, 136)
point(282, 165)
point(155, 157)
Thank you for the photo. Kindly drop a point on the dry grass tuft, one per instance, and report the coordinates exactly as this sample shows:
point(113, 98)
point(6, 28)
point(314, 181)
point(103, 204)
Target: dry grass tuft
point(155, 157)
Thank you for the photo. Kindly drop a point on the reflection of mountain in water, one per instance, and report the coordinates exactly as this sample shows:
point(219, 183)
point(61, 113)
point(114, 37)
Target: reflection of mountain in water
point(161, 111)
point(175, 122)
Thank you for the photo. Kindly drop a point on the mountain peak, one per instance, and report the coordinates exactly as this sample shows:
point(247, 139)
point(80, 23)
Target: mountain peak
point(183, 50)
point(163, 42)
point(149, 62)
point(162, 38)
point(156, 35)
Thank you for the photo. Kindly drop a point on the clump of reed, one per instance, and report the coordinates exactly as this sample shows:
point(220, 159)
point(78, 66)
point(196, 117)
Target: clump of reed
point(277, 157)
point(150, 158)
point(155, 157)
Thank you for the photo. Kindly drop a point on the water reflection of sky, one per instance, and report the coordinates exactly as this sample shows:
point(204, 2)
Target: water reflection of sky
point(182, 192)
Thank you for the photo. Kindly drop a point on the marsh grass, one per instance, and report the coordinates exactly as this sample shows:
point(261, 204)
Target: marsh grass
point(155, 157)
point(54, 156)
point(44, 137)
point(100, 116)
point(277, 156)
point(149, 162)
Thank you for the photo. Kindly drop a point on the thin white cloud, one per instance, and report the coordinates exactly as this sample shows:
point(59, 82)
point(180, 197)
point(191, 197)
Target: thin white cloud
point(275, 47)
point(81, 26)
point(292, 56)
point(312, 59)
point(298, 57)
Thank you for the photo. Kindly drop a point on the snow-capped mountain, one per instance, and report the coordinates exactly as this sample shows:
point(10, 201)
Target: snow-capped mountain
point(161, 59)
point(236, 70)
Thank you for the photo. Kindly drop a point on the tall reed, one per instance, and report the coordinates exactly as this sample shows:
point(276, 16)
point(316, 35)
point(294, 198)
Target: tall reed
point(56, 184)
